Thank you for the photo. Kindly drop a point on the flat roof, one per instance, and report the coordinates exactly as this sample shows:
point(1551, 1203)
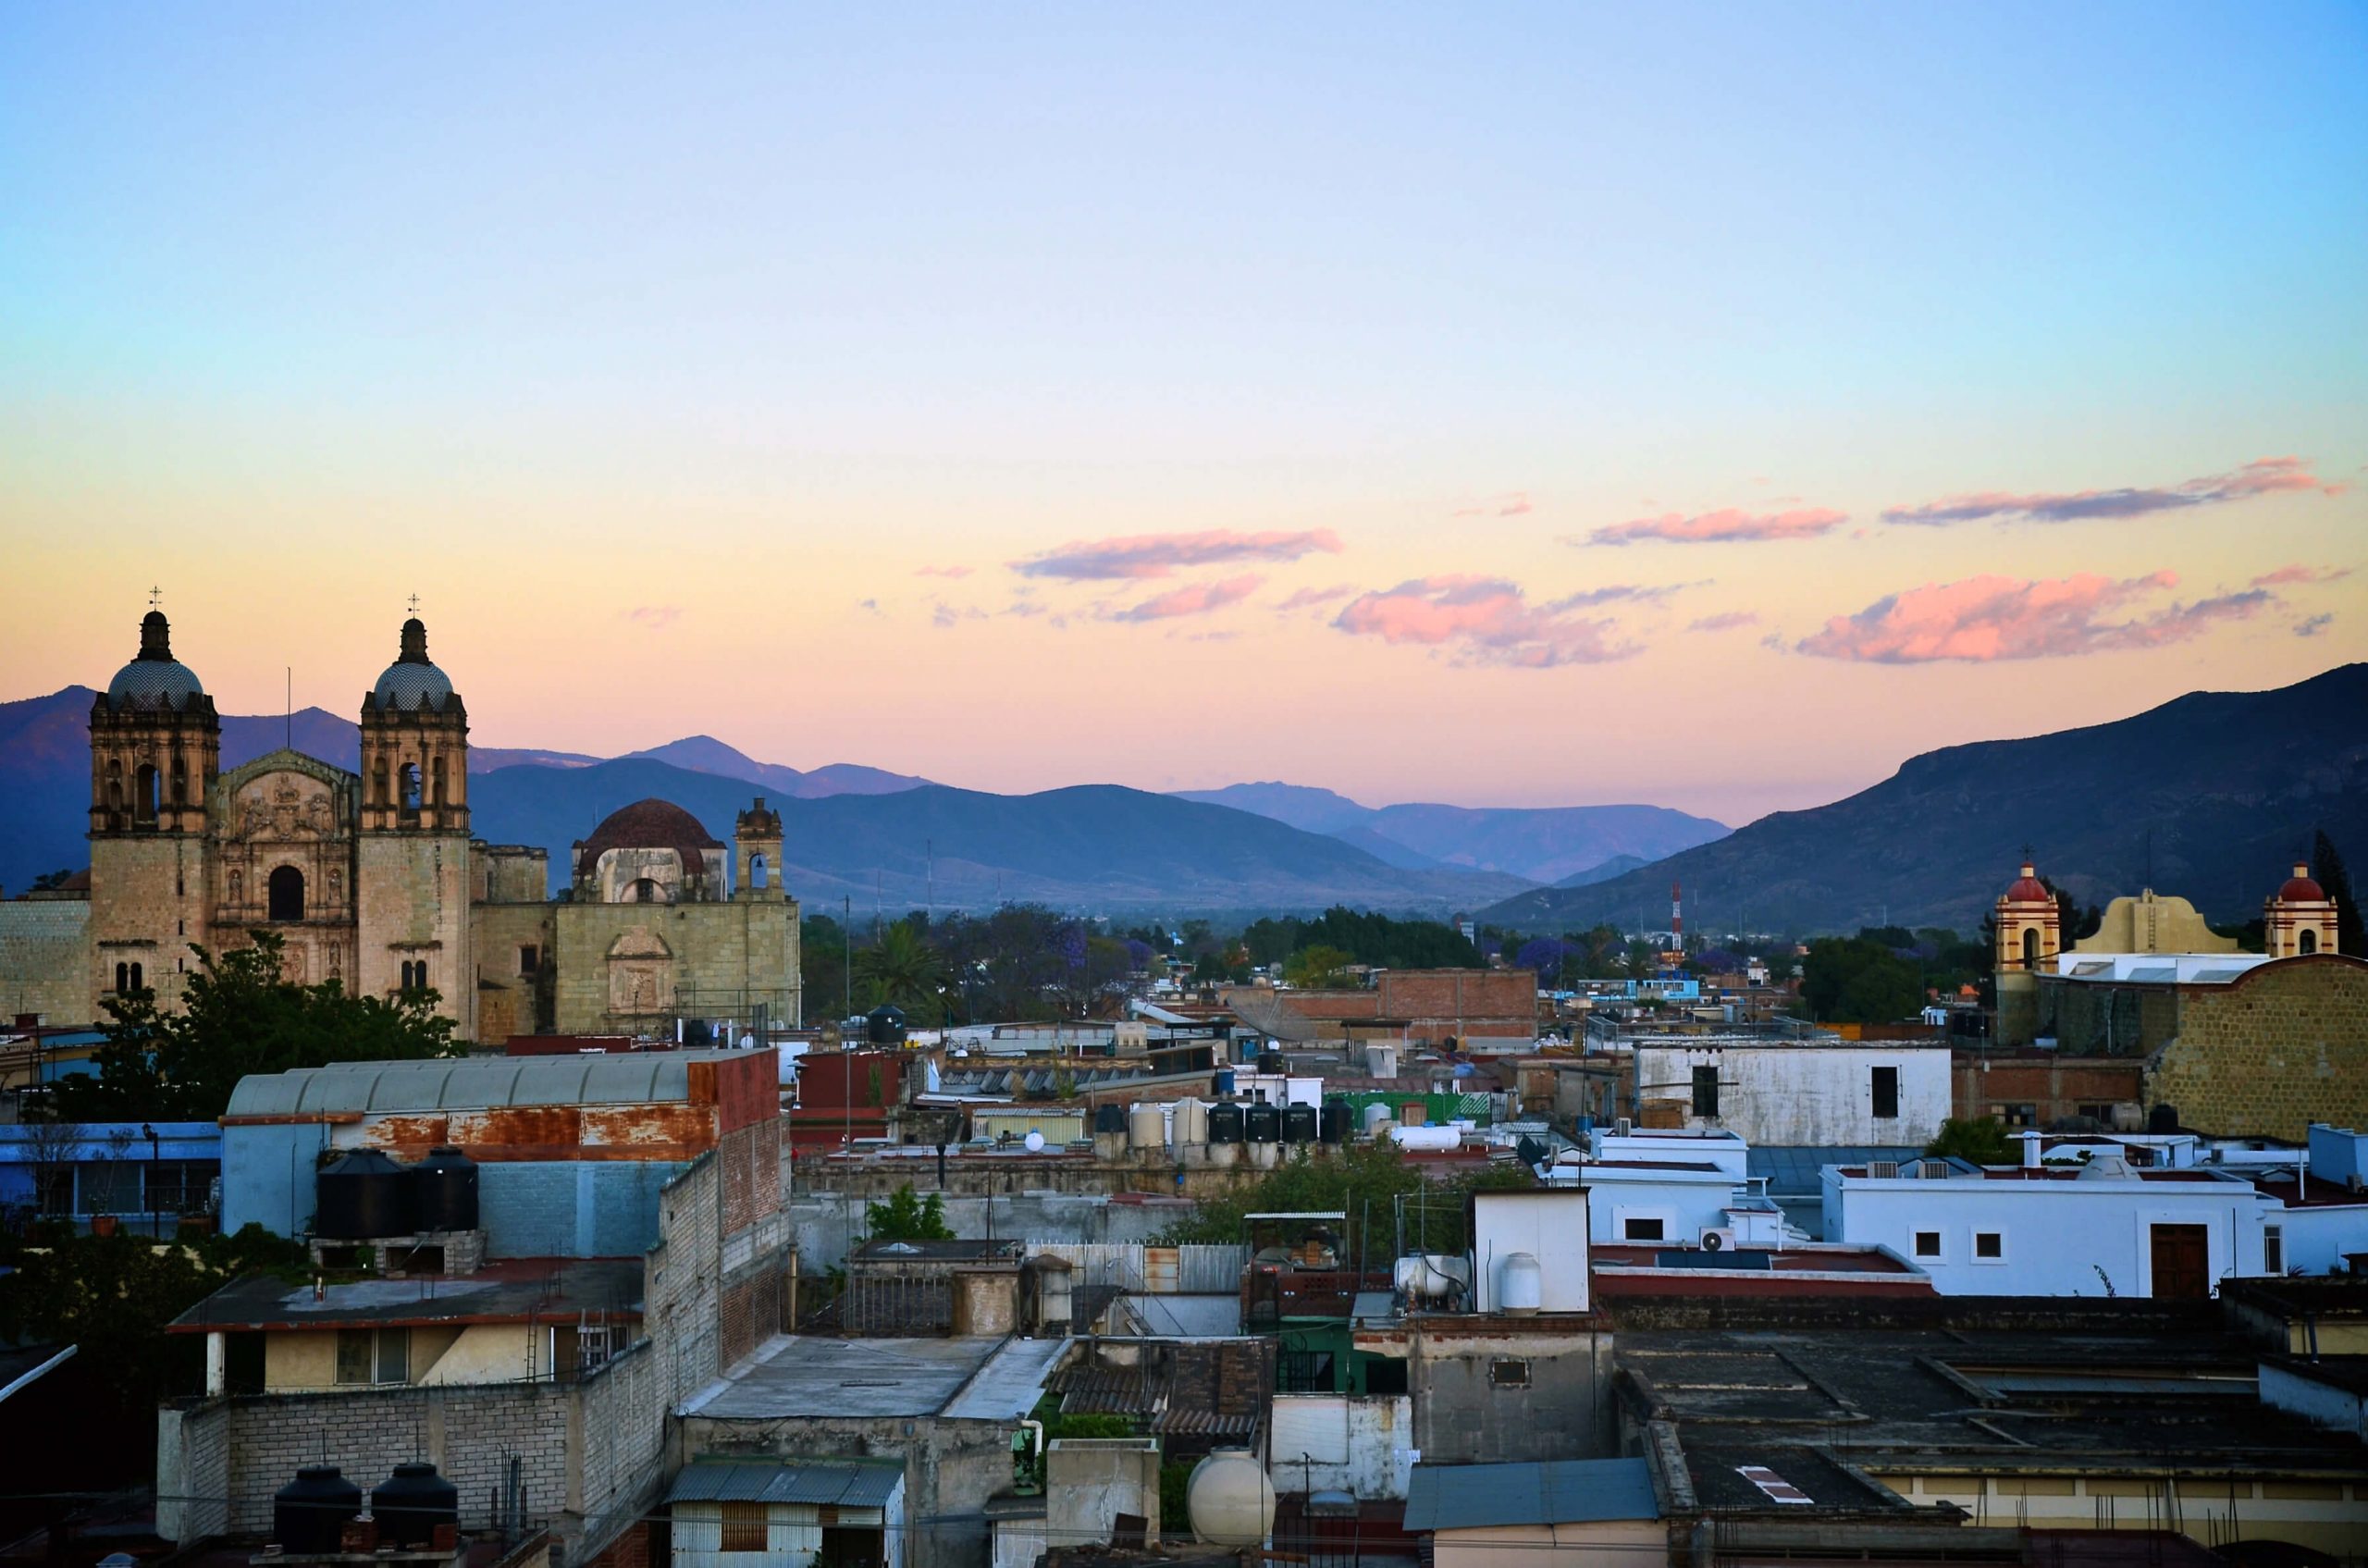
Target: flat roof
point(848, 1483)
point(510, 1291)
point(1568, 1491)
point(793, 1375)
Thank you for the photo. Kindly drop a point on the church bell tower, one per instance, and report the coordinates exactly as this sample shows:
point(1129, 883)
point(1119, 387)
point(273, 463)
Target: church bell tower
point(412, 887)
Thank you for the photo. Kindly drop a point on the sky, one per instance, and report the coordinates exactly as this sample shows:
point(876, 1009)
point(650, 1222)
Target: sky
point(1706, 406)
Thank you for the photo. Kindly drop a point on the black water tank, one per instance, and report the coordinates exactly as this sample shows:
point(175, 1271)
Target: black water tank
point(308, 1514)
point(2163, 1118)
point(1261, 1123)
point(361, 1194)
point(1109, 1119)
point(444, 1190)
point(1298, 1124)
point(1338, 1121)
point(1273, 1061)
point(410, 1503)
point(1225, 1122)
point(885, 1025)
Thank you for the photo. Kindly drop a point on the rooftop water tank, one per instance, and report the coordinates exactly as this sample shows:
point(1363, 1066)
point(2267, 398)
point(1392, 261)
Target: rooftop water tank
point(308, 1514)
point(1229, 1499)
point(1192, 1122)
point(1261, 1123)
point(410, 1503)
point(1147, 1127)
point(1272, 1062)
point(1427, 1277)
point(1225, 1122)
point(1109, 1119)
point(1521, 1284)
point(1376, 1118)
point(1298, 1124)
point(885, 1025)
point(361, 1194)
point(444, 1190)
point(1223, 1082)
point(1336, 1121)
point(1432, 1139)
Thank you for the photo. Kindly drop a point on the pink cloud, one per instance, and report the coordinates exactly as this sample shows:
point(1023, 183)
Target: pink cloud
point(1984, 619)
point(2262, 476)
point(1301, 598)
point(1731, 526)
point(945, 571)
point(2313, 625)
point(657, 617)
point(1486, 619)
point(1193, 599)
point(1512, 504)
point(1158, 555)
point(2297, 575)
point(1727, 621)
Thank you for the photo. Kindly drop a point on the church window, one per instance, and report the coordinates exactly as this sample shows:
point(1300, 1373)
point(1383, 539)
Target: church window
point(410, 788)
point(2309, 943)
point(2030, 947)
point(528, 962)
point(123, 977)
point(757, 871)
point(138, 979)
point(287, 894)
point(643, 891)
point(144, 796)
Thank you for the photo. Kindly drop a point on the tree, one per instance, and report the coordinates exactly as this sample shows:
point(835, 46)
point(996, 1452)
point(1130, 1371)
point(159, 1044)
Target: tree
point(823, 967)
point(1546, 955)
point(906, 1218)
point(239, 1015)
point(900, 969)
point(1318, 967)
point(2328, 870)
point(1981, 1139)
point(1361, 1181)
point(1850, 980)
point(50, 882)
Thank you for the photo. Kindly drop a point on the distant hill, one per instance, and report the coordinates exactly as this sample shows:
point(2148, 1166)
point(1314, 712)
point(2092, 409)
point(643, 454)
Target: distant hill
point(2217, 792)
point(1618, 865)
point(704, 754)
point(1544, 845)
point(1095, 847)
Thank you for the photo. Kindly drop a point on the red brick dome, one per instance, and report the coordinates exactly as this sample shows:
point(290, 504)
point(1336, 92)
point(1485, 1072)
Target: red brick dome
point(652, 824)
point(2300, 889)
point(2029, 889)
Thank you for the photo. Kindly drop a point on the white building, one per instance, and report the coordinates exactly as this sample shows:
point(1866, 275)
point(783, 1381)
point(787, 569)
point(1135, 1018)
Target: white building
point(1672, 1186)
point(2100, 1229)
point(1790, 1094)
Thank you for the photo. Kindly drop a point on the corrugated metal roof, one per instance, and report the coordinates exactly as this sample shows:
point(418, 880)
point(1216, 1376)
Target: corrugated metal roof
point(1575, 1492)
point(848, 1486)
point(472, 1083)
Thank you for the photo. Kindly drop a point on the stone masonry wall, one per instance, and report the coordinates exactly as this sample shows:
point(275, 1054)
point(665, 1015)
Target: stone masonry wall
point(2283, 1048)
point(45, 959)
point(725, 956)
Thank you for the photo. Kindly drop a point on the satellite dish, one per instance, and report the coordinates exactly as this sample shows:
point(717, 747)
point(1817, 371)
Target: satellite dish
point(1035, 1142)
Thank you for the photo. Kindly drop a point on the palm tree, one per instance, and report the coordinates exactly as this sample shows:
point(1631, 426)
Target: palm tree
point(900, 969)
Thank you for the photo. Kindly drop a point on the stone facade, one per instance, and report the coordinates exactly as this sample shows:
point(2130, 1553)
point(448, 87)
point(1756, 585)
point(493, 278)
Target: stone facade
point(2281, 1048)
point(372, 880)
point(2153, 923)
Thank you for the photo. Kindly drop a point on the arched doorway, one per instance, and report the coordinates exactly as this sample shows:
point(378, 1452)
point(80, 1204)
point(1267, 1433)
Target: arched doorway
point(287, 894)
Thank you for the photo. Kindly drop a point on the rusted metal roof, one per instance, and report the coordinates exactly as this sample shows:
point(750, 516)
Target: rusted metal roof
point(474, 1083)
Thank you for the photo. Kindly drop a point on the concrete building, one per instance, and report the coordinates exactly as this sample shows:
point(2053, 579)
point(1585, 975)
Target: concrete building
point(1815, 1092)
point(1585, 1513)
point(145, 1177)
point(740, 1513)
point(573, 1150)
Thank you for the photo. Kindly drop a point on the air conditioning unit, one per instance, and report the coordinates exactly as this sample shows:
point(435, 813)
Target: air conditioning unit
point(1718, 1239)
point(1883, 1170)
point(1623, 1127)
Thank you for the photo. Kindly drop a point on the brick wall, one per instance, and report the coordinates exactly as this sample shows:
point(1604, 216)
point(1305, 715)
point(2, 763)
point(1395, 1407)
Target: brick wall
point(2272, 1053)
point(1459, 994)
point(2056, 1086)
point(45, 959)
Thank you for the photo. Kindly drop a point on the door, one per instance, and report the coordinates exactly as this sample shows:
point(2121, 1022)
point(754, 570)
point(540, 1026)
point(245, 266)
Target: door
point(2182, 1262)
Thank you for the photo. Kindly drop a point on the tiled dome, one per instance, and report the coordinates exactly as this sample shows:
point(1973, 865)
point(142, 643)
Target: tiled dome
point(411, 681)
point(155, 679)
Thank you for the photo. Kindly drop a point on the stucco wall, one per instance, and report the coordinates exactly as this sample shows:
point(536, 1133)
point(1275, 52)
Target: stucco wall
point(1641, 1543)
point(1805, 1096)
point(1361, 1444)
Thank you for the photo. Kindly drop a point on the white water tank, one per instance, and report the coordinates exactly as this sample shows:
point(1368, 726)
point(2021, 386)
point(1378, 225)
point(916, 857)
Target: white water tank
point(1229, 1499)
point(1147, 1127)
point(1428, 1276)
point(1192, 1122)
point(1521, 1284)
point(1433, 1138)
point(1377, 1116)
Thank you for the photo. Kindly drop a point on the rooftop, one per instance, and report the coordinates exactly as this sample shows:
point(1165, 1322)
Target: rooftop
point(1570, 1492)
point(472, 1083)
point(968, 1378)
point(511, 1290)
point(852, 1483)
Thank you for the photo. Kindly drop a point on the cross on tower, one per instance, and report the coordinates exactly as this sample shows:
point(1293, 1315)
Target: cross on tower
point(155, 599)
point(415, 604)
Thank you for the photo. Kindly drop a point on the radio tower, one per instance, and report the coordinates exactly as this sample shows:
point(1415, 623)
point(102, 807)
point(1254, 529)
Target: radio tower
point(1677, 919)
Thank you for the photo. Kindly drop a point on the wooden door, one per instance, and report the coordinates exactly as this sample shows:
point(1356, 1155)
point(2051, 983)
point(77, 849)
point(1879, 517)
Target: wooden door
point(2182, 1262)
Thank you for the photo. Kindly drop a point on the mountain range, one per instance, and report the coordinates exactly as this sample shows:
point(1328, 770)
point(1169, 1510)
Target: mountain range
point(1540, 844)
point(2211, 797)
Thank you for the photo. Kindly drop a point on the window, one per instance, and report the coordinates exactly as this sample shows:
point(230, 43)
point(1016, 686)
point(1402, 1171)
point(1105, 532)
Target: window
point(179, 1186)
point(122, 978)
point(1990, 1246)
point(286, 897)
point(1706, 1091)
point(139, 981)
point(2310, 941)
point(528, 961)
point(643, 891)
point(144, 796)
point(2273, 1249)
point(1639, 1228)
point(410, 785)
point(757, 871)
point(108, 1187)
point(1886, 1093)
point(1303, 1372)
point(1927, 1243)
point(743, 1527)
point(1508, 1372)
point(374, 1356)
point(1385, 1375)
point(2097, 1113)
point(2030, 947)
point(414, 975)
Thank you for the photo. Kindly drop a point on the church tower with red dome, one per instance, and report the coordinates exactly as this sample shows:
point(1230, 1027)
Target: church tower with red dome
point(2298, 919)
point(2030, 933)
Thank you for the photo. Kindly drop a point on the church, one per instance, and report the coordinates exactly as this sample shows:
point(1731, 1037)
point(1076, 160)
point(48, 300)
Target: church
point(373, 880)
